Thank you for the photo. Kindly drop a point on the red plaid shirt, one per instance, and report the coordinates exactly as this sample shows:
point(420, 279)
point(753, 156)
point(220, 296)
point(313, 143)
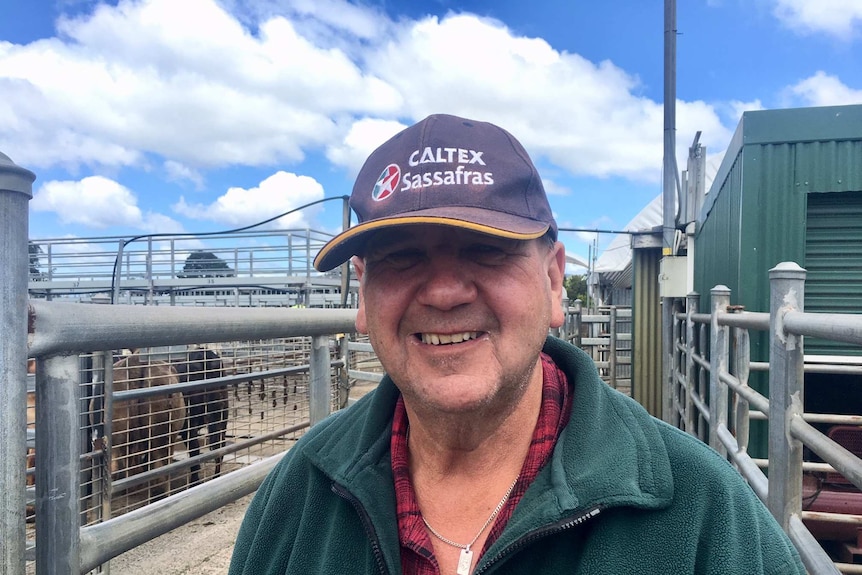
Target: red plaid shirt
point(417, 551)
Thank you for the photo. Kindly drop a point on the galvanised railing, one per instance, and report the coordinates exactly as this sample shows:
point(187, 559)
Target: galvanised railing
point(710, 397)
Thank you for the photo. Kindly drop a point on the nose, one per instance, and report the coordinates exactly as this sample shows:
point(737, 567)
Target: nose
point(447, 283)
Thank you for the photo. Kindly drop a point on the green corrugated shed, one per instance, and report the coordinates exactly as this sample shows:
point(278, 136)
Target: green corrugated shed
point(786, 177)
point(761, 208)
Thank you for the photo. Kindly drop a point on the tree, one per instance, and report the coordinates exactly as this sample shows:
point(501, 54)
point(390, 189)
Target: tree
point(201, 264)
point(576, 288)
point(35, 251)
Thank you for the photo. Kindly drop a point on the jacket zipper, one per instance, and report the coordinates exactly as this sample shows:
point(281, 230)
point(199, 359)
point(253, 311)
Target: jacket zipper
point(547, 531)
point(342, 492)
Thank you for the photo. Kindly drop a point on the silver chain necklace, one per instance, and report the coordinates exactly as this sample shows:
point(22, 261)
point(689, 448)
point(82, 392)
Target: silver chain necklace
point(465, 561)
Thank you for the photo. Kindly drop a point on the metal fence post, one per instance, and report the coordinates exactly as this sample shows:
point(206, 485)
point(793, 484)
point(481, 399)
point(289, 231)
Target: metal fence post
point(319, 403)
point(787, 293)
point(576, 322)
point(612, 345)
point(692, 304)
point(58, 469)
point(16, 189)
point(742, 369)
point(718, 352)
point(672, 405)
point(118, 273)
point(666, 359)
point(562, 331)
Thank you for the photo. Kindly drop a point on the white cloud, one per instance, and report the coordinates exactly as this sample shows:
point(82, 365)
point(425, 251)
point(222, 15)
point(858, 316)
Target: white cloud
point(94, 201)
point(552, 188)
point(191, 85)
point(155, 222)
point(361, 139)
point(587, 118)
point(823, 89)
point(178, 171)
point(195, 87)
point(277, 194)
point(98, 202)
point(838, 18)
point(327, 22)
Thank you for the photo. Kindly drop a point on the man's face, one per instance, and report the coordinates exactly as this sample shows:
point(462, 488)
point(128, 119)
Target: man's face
point(458, 318)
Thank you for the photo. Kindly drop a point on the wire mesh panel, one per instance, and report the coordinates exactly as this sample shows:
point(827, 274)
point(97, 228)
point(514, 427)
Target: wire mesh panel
point(30, 510)
point(136, 439)
point(180, 416)
point(268, 411)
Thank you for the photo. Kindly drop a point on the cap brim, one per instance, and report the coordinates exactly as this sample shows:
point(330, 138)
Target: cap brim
point(352, 241)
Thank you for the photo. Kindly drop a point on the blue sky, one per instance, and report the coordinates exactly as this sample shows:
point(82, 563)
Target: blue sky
point(201, 115)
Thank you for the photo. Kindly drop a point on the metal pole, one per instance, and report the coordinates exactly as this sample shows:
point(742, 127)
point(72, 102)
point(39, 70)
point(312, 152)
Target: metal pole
point(668, 176)
point(666, 357)
point(319, 366)
point(174, 274)
point(787, 293)
point(576, 323)
point(742, 364)
point(118, 273)
point(692, 304)
point(16, 189)
point(672, 406)
point(148, 299)
point(612, 357)
point(345, 267)
point(718, 351)
point(669, 171)
point(63, 326)
point(58, 470)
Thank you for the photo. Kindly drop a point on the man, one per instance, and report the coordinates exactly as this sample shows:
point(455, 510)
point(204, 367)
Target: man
point(489, 447)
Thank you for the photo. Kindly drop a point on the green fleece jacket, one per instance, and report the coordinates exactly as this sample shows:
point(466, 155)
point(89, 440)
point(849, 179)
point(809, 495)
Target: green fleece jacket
point(622, 493)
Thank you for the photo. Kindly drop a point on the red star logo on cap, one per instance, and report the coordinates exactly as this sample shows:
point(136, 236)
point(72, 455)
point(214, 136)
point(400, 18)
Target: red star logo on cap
point(387, 183)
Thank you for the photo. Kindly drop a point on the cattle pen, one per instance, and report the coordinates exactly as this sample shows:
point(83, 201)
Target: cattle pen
point(284, 367)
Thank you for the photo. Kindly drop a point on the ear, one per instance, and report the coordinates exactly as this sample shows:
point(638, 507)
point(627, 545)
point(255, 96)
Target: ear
point(556, 273)
point(361, 320)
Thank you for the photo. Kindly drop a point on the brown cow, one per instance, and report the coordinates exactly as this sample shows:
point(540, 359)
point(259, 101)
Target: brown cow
point(145, 431)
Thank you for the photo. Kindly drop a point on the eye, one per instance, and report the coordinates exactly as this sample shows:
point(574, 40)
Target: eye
point(401, 259)
point(486, 254)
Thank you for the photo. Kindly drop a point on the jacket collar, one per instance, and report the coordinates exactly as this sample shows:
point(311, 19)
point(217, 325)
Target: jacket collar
point(610, 454)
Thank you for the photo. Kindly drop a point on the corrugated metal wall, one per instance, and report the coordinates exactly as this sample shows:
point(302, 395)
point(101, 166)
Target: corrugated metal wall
point(718, 237)
point(757, 211)
point(755, 216)
point(646, 331)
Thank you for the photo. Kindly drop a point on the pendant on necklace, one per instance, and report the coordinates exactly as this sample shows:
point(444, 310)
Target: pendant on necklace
point(465, 561)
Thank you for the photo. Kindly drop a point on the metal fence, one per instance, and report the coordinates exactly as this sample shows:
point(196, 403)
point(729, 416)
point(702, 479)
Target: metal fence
point(606, 335)
point(251, 268)
point(709, 396)
point(271, 397)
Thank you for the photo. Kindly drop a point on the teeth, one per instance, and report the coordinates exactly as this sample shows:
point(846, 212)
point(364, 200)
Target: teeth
point(444, 339)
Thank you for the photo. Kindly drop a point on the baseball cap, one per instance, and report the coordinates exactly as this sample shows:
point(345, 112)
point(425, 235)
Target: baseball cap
point(449, 171)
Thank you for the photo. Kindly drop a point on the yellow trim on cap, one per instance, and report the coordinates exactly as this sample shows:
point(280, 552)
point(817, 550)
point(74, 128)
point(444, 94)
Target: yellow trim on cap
point(350, 233)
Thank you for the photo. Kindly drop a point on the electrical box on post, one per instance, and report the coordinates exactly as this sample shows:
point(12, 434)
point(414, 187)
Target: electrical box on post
point(672, 277)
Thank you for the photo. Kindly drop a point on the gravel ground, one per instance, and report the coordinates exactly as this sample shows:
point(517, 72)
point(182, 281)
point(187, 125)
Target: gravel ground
point(202, 547)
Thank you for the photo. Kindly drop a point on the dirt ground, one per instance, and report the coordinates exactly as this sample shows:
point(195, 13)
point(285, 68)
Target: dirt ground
point(202, 547)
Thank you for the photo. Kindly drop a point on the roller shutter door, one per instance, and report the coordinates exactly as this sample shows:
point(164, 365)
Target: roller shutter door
point(833, 258)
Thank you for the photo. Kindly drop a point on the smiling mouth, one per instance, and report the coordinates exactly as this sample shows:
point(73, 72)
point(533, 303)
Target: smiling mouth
point(447, 338)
